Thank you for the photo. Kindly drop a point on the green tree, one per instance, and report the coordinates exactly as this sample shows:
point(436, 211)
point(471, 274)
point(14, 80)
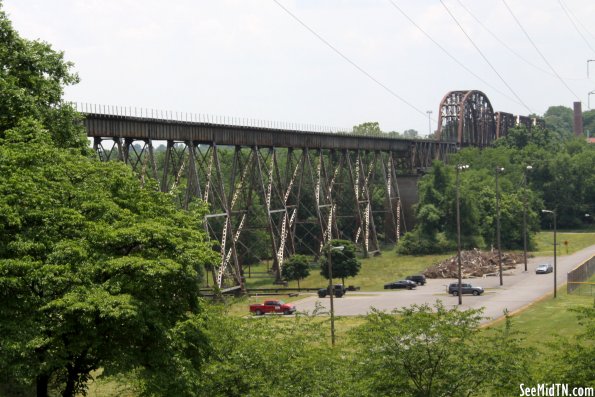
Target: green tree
point(575, 358)
point(344, 262)
point(434, 351)
point(411, 134)
point(32, 80)
point(559, 119)
point(589, 123)
point(435, 230)
point(296, 268)
point(369, 129)
point(272, 358)
point(95, 270)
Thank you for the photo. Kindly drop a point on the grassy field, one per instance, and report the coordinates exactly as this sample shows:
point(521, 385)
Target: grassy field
point(548, 318)
point(576, 242)
point(374, 273)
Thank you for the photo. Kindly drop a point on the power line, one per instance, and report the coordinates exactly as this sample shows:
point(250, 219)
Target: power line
point(352, 63)
point(484, 57)
point(575, 27)
point(503, 43)
point(537, 49)
point(579, 21)
point(461, 64)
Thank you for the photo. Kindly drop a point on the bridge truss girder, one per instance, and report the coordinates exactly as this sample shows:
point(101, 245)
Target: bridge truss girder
point(299, 197)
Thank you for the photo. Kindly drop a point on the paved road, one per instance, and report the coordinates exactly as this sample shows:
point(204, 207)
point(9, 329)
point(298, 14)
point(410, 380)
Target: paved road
point(520, 289)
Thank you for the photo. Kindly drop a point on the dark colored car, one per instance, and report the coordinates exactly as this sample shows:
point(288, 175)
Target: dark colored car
point(466, 289)
point(544, 268)
point(418, 279)
point(339, 291)
point(401, 284)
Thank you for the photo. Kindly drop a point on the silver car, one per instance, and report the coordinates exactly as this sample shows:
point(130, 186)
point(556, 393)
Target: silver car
point(544, 268)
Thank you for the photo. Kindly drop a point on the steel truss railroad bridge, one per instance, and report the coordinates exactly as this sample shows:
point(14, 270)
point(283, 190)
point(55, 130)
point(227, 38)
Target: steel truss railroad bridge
point(288, 182)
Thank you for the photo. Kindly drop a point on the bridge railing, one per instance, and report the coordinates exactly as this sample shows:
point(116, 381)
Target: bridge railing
point(189, 117)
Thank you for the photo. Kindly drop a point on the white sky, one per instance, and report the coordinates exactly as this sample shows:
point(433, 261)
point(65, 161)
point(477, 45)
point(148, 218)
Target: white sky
point(249, 58)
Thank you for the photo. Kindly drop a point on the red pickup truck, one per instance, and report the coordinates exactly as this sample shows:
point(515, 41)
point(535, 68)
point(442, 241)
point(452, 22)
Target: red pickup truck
point(272, 307)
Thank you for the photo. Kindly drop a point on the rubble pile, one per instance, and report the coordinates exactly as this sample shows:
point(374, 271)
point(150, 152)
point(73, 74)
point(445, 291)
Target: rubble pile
point(474, 263)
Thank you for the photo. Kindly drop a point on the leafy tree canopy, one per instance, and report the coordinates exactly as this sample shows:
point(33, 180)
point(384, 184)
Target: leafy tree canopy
point(344, 262)
point(32, 80)
point(559, 119)
point(96, 271)
point(369, 129)
point(434, 351)
point(296, 268)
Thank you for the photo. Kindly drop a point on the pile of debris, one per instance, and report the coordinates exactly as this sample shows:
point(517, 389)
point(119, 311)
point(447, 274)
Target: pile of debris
point(474, 263)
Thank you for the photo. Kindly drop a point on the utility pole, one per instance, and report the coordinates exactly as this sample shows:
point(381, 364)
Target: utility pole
point(553, 212)
point(592, 92)
point(460, 289)
point(527, 168)
point(498, 170)
point(429, 112)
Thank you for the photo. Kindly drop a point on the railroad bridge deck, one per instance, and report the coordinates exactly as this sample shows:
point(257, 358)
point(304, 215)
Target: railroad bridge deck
point(157, 129)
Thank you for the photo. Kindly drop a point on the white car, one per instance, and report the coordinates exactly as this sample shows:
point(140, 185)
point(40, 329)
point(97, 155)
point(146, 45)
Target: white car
point(544, 268)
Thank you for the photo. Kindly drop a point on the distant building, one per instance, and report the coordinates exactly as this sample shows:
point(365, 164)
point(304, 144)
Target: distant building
point(591, 140)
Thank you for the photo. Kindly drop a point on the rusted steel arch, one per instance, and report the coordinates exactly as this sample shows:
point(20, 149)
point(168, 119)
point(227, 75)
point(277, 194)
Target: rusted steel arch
point(448, 116)
point(467, 118)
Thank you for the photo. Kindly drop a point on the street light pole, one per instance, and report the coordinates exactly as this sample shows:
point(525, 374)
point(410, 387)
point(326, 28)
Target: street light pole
point(527, 168)
point(588, 61)
point(429, 112)
point(330, 287)
point(460, 295)
point(555, 252)
point(498, 170)
point(589, 99)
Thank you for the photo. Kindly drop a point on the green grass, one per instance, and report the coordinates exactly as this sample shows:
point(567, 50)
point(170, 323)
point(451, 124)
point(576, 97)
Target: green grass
point(548, 318)
point(576, 242)
point(240, 306)
point(109, 387)
point(375, 272)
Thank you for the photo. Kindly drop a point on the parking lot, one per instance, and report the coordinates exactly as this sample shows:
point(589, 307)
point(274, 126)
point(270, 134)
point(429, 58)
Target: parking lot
point(520, 289)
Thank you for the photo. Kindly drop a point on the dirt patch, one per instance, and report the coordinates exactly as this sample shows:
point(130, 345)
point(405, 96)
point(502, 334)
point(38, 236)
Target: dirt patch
point(474, 263)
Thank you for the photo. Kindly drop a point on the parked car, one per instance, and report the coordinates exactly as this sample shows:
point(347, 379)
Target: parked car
point(402, 284)
point(419, 279)
point(272, 306)
point(466, 289)
point(338, 288)
point(544, 268)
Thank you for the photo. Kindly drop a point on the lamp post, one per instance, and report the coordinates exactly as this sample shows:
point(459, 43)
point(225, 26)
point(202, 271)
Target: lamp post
point(588, 61)
point(527, 168)
point(498, 170)
point(589, 99)
point(429, 112)
point(555, 245)
point(330, 287)
point(459, 168)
